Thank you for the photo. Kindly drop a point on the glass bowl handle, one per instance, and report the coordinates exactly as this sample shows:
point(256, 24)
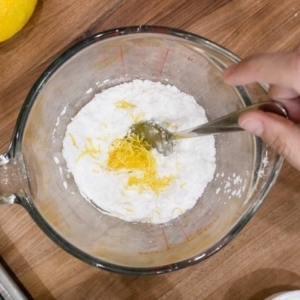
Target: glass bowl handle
point(10, 180)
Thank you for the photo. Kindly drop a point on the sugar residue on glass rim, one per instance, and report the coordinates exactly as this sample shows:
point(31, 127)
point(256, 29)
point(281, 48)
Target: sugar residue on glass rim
point(155, 188)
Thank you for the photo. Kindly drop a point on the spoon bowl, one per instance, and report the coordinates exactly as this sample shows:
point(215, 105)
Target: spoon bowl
point(162, 139)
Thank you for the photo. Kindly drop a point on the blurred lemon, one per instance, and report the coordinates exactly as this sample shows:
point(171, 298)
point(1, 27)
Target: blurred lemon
point(14, 14)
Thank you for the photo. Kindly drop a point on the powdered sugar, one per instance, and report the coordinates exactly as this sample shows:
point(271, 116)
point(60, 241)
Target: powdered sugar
point(92, 131)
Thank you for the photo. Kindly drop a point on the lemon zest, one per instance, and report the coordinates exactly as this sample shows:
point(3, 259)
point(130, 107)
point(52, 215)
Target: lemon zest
point(170, 125)
point(123, 104)
point(89, 149)
point(167, 123)
point(73, 140)
point(132, 154)
point(183, 184)
point(100, 165)
point(103, 138)
point(177, 208)
point(137, 118)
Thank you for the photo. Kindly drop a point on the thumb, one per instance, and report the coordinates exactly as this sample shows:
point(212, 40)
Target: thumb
point(280, 134)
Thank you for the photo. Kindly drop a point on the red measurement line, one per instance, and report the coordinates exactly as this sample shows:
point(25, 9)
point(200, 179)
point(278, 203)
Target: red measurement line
point(163, 64)
point(122, 57)
point(182, 230)
point(164, 234)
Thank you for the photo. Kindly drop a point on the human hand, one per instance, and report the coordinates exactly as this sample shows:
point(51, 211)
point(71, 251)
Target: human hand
point(282, 71)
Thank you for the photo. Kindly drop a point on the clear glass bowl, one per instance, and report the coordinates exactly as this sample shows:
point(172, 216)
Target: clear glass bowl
point(33, 172)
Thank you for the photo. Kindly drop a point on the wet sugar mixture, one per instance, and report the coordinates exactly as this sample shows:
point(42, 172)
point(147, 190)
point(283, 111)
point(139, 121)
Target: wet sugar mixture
point(116, 170)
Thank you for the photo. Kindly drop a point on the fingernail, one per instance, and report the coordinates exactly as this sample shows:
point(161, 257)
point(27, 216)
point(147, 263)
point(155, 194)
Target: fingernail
point(253, 126)
point(229, 71)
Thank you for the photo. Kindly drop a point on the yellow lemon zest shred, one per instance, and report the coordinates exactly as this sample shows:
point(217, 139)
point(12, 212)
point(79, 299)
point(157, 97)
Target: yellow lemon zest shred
point(103, 138)
point(100, 165)
point(167, 123)
point(123, 104)
point(170, 125)
point(183, 184)
point(73, 140)
point(89, 149)
point(177, 208)
point(137, 118)
point(132, 154)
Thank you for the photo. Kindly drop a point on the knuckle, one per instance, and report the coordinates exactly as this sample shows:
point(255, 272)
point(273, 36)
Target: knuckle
point(281, 146)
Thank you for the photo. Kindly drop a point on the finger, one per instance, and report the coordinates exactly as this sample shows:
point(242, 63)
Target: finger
point(289, 98)
point(278, 92)
point(276, 68)
point(293, 109)
point(281, 134)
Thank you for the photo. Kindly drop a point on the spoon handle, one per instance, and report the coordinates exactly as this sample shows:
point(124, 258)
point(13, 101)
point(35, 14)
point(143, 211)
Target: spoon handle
point(229, 122)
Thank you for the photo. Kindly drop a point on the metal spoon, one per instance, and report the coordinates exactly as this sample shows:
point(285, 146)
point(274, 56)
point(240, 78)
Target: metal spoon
point(163, 140)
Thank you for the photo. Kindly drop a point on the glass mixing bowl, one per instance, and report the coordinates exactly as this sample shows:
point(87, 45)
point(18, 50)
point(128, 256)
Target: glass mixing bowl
point(33, 172)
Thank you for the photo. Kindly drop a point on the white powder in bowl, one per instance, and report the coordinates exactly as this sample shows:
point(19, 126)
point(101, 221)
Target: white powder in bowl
point(93, 132)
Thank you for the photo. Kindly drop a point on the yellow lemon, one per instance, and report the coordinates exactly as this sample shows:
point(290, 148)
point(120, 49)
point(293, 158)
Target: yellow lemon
point(14, 14)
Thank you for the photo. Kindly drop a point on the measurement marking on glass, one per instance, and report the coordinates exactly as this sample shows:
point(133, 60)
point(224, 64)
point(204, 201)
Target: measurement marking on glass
point(184, 233)
point(164, 234)
point(163, 64)
point(122, 56)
